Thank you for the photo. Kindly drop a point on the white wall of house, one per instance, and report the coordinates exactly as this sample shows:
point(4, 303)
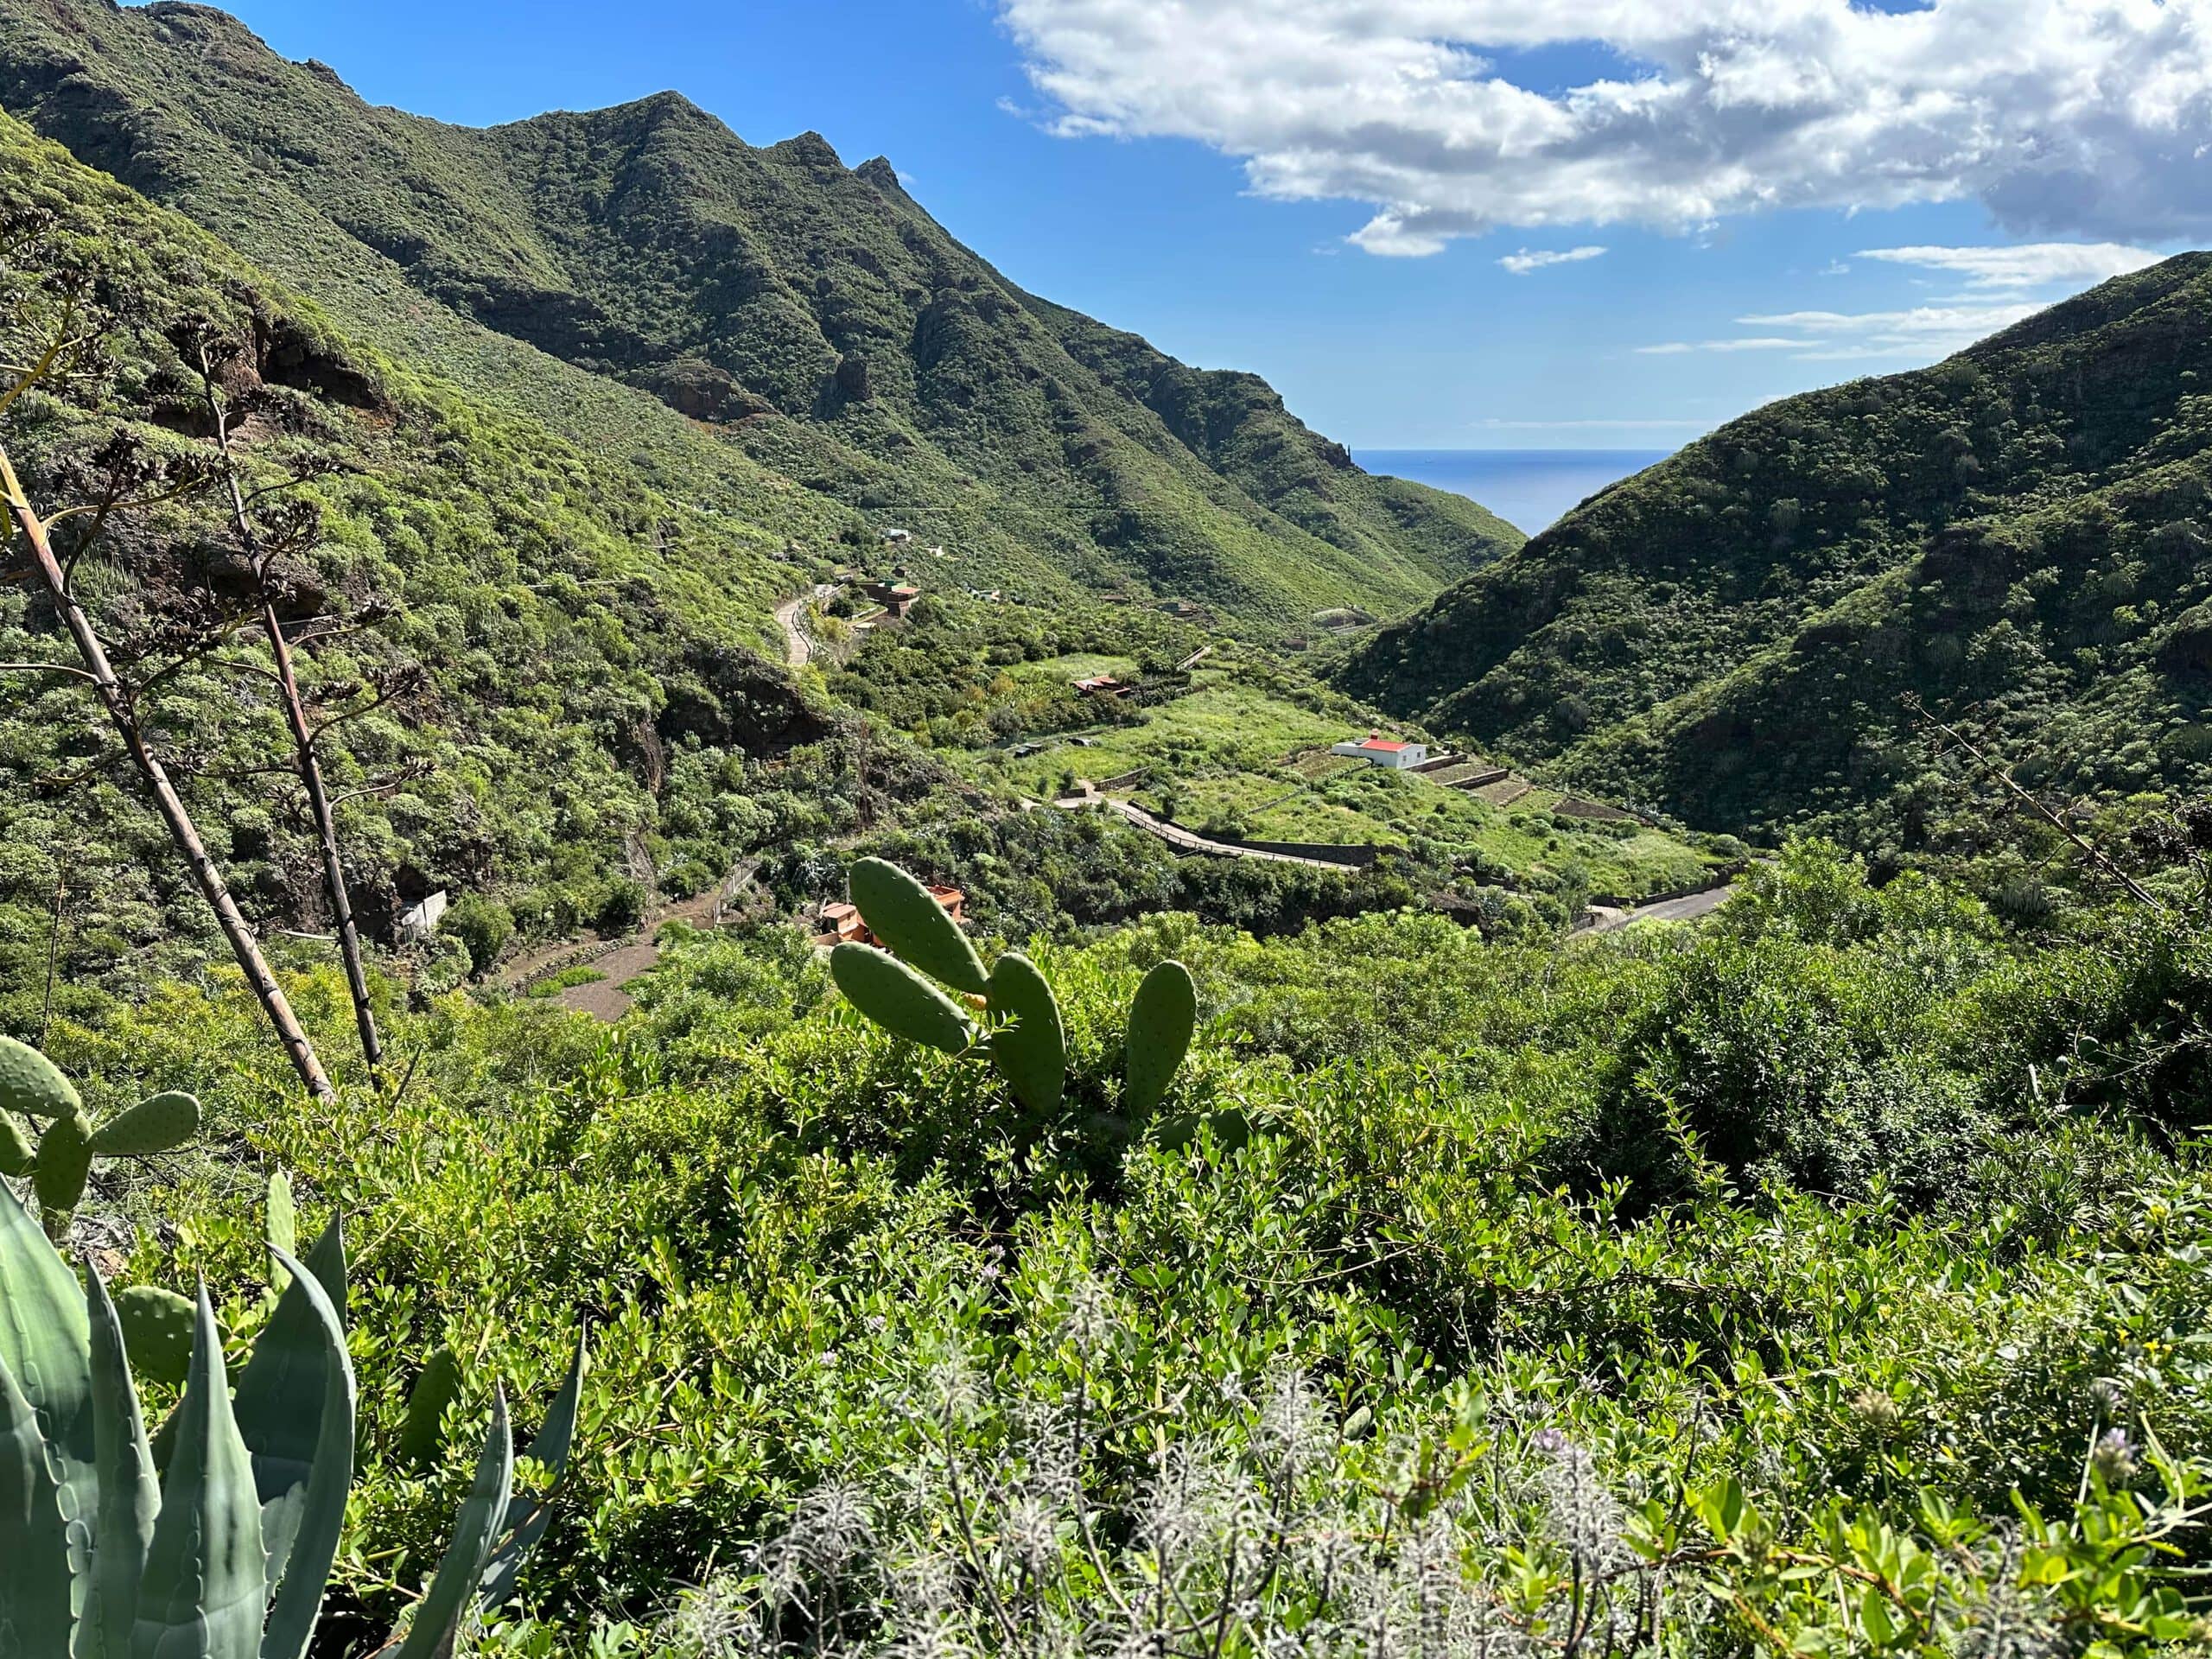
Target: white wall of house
point(1409, 754)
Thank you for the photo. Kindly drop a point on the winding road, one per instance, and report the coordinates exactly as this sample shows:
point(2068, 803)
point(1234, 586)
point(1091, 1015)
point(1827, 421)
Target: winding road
point(1687, 909)
point(1176, 835)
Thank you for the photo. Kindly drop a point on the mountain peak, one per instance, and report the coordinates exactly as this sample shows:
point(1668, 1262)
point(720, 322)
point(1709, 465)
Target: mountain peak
point(810, 149)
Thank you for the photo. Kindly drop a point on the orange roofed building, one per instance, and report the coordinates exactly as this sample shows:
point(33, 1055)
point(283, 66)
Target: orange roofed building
point(841, 923)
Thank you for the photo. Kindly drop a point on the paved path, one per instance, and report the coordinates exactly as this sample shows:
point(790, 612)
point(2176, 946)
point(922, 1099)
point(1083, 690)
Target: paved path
point(1175, 836)
point(796, 646)
point(799, 649)
point(1667, 910)
point(604, 998)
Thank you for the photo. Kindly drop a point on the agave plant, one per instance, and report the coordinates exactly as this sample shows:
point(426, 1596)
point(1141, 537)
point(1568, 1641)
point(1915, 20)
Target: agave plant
point(61, 1161)
point(214, 1539)
point(1021, 1029)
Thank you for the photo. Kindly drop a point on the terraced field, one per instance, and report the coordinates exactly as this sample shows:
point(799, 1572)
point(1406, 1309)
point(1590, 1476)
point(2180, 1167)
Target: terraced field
point(1235, 755)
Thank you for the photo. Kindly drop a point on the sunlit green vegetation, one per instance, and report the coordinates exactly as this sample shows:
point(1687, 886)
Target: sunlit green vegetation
point(1852, 1200)
point(1239, 743)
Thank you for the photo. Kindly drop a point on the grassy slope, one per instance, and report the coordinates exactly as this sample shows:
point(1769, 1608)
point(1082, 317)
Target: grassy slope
point(2018, 531)
point(648, 245)
point(1246, 743)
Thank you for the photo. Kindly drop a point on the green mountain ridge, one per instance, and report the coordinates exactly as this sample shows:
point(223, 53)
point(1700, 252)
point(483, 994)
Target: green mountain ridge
point(2015, 536)
point(794, 342)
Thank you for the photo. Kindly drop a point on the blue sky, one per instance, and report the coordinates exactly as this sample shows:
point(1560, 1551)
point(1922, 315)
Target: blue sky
point(1332, 211)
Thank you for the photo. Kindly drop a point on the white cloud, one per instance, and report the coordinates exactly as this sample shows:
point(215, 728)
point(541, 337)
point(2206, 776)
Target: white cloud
point(2074, 118)
point(1522, 262)
point(1924, 332)
point(2029, 265)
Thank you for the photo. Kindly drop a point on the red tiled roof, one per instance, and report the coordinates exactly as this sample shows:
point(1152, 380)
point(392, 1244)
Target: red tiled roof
point(1382, 745)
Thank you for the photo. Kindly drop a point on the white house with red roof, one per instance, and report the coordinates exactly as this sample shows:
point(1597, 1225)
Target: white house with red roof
point(1380, 751)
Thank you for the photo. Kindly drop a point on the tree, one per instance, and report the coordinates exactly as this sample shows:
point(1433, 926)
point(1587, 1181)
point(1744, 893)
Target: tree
point(272, 529)
point(53, 334)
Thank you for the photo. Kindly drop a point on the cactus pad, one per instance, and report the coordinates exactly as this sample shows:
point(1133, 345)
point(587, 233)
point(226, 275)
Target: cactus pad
point(1031, 1050)
point(899, 1000)
point(30, 1084)
point(158, 1123)
point(157, 1327)
point(900, 912)
point(422, 1436)
point(16, 1152)
point(65, 1157)
point(1161, 1019)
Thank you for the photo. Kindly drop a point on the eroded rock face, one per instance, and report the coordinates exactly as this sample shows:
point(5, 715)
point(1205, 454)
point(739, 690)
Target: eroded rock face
point(852, 378)
point(703, 391)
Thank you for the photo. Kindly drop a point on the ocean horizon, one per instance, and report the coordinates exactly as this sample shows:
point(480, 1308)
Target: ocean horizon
point(1529, 488)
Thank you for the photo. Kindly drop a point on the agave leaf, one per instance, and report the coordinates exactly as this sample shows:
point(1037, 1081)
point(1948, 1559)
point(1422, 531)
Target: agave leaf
point(900, 912)
point(1161, 1019)
point(205, 1587)
point(437, 1622)
point(46, 1345)
point(129, 1497)
point(283, 1224)
point(327, 1261)
point(34, 1588)
point(550, 1450)
point(302, 1478)
point(1031, 1050)
point(899, 1000)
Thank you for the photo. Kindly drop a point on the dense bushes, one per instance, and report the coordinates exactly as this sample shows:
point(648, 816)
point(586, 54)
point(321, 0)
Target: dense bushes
point(1845, 1198)
point(2015, 537)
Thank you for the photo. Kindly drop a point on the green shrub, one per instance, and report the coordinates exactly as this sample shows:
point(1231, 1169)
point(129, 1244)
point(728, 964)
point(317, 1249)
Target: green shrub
point(482, 925)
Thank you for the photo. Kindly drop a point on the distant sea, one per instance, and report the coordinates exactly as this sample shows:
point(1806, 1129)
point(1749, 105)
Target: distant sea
point(1528, 488)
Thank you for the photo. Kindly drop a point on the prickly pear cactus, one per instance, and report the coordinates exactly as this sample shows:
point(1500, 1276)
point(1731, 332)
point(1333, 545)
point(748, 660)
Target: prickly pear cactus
point(32, 1085)
point(1030, 1049)
point(899, 1000)
point(65, 1157)
point(159, 1123)
point(1161, 1019)
point(900, 912)
point(16, 1152)
point(422, 1436)
point(157, 1328)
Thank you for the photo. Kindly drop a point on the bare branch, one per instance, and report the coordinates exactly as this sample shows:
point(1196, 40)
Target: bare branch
point(48, 668)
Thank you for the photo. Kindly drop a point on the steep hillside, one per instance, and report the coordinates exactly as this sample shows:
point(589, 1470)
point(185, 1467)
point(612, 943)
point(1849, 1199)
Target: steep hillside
point(2017, 535)
point(758, 321)
point(590, 696)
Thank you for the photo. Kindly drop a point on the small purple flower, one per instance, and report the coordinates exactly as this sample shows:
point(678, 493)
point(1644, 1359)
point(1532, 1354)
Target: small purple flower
point(2113, 1457)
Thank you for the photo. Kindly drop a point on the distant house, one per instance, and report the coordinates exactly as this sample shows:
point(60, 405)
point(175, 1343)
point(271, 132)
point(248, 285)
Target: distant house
point(1103, 685)
point(841, 923)
point(1380, 751)
point(896, 597)
point(419, 922)
point(1182, 609)
point(894, 537)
